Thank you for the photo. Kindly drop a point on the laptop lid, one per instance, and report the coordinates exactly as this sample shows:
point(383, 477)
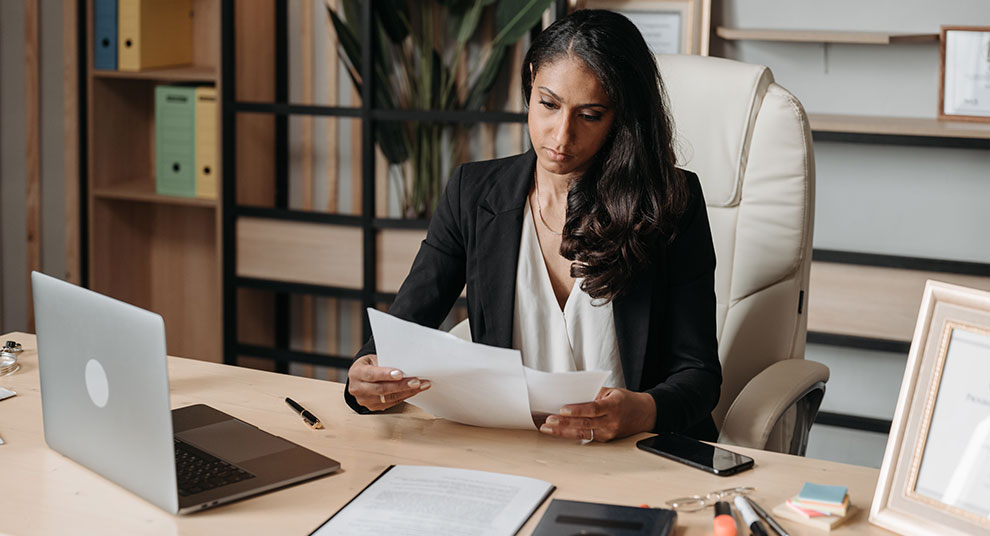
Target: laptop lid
point(104, 387)
point(105, 402)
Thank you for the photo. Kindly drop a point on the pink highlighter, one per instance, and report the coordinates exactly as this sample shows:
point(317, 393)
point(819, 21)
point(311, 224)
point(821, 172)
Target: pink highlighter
point(725, 524)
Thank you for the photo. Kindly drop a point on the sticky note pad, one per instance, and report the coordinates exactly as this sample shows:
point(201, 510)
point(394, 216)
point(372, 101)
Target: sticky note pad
point(822, 493)
point(825, 523)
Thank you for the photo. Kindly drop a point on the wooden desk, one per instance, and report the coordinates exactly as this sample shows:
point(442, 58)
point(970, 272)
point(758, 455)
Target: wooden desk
point(46, 493)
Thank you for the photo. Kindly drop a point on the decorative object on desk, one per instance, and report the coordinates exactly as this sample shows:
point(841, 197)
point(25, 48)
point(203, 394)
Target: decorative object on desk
point(8, 358)
point(964, 73)
point(694, 503)
point(669, 26)
point(407, 36)
point(935, 476)
point(565, 518)
point(425, 500)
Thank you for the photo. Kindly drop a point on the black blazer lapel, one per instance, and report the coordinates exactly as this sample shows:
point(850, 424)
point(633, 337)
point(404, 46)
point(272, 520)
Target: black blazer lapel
point(498, 234)
point(631, 313)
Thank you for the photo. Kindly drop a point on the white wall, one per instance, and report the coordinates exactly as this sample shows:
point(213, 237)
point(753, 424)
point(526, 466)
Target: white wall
point(885, 199)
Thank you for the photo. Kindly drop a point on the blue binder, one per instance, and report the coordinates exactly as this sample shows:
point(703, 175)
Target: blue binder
point(105, 34)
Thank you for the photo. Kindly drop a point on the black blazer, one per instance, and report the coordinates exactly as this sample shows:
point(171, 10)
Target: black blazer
point(665, 329)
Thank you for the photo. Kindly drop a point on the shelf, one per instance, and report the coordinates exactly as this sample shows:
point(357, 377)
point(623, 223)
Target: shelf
point(193, 73)
point(823, 36)
point(141, 190)
point(899, 126)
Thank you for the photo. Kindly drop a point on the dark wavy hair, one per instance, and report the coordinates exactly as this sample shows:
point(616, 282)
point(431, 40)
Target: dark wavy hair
point(630, 197)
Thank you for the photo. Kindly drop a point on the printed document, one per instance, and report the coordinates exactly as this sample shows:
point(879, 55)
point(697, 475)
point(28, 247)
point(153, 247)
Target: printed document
point(439, 501)
point(474, 383)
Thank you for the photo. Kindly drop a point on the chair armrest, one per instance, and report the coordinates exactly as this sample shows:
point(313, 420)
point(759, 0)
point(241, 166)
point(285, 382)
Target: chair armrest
point(755, 412)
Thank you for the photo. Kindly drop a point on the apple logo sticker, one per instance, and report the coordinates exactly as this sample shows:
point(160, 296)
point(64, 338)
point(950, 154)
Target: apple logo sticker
point(96, 383)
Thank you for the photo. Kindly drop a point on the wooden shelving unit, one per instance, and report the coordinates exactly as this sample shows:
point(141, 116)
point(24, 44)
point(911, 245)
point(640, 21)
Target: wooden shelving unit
point(823, 36)
point(141, 190)
point(195, 73)
point(898, 126)
point(158, 252)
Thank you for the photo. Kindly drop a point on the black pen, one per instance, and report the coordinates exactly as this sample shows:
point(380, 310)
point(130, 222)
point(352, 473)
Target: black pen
point(767, 517)
point(307, 417)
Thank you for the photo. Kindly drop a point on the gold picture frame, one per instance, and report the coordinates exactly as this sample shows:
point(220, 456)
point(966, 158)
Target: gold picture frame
point(935, 476)
point(964, 73)
point(655, 19)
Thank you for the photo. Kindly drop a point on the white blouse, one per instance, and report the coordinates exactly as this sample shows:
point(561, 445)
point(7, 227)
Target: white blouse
point(581, 337)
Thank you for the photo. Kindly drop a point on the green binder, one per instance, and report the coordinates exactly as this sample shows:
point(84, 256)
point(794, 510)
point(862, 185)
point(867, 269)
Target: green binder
point(175, 141)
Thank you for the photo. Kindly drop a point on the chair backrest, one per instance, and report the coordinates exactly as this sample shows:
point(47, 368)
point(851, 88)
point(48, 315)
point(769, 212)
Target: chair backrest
point(749, 141)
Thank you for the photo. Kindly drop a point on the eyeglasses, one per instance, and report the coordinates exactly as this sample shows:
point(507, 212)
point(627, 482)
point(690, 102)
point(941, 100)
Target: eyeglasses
point(698, 502)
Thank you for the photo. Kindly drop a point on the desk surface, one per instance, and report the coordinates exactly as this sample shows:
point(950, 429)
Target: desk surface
point(48, 493)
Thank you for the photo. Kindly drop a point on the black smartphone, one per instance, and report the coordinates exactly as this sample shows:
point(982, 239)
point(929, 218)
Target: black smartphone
point(696, 454)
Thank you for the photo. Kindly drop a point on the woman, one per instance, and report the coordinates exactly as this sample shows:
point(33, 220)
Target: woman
point(592, 251)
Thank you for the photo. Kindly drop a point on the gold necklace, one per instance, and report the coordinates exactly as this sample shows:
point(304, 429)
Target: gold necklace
point(539, 208)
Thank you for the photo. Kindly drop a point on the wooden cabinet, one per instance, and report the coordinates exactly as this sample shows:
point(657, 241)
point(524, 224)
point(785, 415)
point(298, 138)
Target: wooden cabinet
point(158, 252)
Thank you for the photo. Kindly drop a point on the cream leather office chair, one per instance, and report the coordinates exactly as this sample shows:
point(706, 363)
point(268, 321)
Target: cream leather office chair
point(748, 140)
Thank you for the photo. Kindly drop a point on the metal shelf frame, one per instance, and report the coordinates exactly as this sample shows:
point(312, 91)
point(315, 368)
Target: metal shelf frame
point(369, 224)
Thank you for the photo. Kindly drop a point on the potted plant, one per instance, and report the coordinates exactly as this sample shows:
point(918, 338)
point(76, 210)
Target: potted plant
point(419, 46)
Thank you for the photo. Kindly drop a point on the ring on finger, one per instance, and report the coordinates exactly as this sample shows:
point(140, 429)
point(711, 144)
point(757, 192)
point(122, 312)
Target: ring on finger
point(382, 398)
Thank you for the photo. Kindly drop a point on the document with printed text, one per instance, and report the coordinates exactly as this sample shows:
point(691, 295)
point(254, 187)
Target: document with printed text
point(428, 501)
point(474, 383)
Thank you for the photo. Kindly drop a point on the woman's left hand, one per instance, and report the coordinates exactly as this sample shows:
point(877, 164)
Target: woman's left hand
point(615, 413)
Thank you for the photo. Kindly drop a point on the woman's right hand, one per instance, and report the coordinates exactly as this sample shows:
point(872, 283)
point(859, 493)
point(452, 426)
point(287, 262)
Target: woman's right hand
point(378, 388)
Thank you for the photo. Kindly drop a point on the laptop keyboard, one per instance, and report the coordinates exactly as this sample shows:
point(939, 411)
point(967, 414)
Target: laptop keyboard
point(198, 471)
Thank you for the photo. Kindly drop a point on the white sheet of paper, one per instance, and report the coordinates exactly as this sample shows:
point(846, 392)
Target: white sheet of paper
point(417, 500)
point(549, 391)
point(475, 383)
point(471, 383)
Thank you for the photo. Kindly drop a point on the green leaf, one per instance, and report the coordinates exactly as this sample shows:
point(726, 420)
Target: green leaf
point(466, 22)
point(352, 14)
point(394, 18)
point(513, 18)
point(349, 42)
point(393, 141)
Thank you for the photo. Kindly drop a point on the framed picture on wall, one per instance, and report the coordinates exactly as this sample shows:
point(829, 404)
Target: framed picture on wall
point(935, 477)
point(669, 26)
point(964, 73)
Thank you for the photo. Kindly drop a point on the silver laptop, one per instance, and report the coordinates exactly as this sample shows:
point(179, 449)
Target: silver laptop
point(105, 398)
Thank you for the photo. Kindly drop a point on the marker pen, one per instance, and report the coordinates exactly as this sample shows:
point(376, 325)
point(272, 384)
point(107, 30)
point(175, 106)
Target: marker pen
point(749, 516)
point(725, 524)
